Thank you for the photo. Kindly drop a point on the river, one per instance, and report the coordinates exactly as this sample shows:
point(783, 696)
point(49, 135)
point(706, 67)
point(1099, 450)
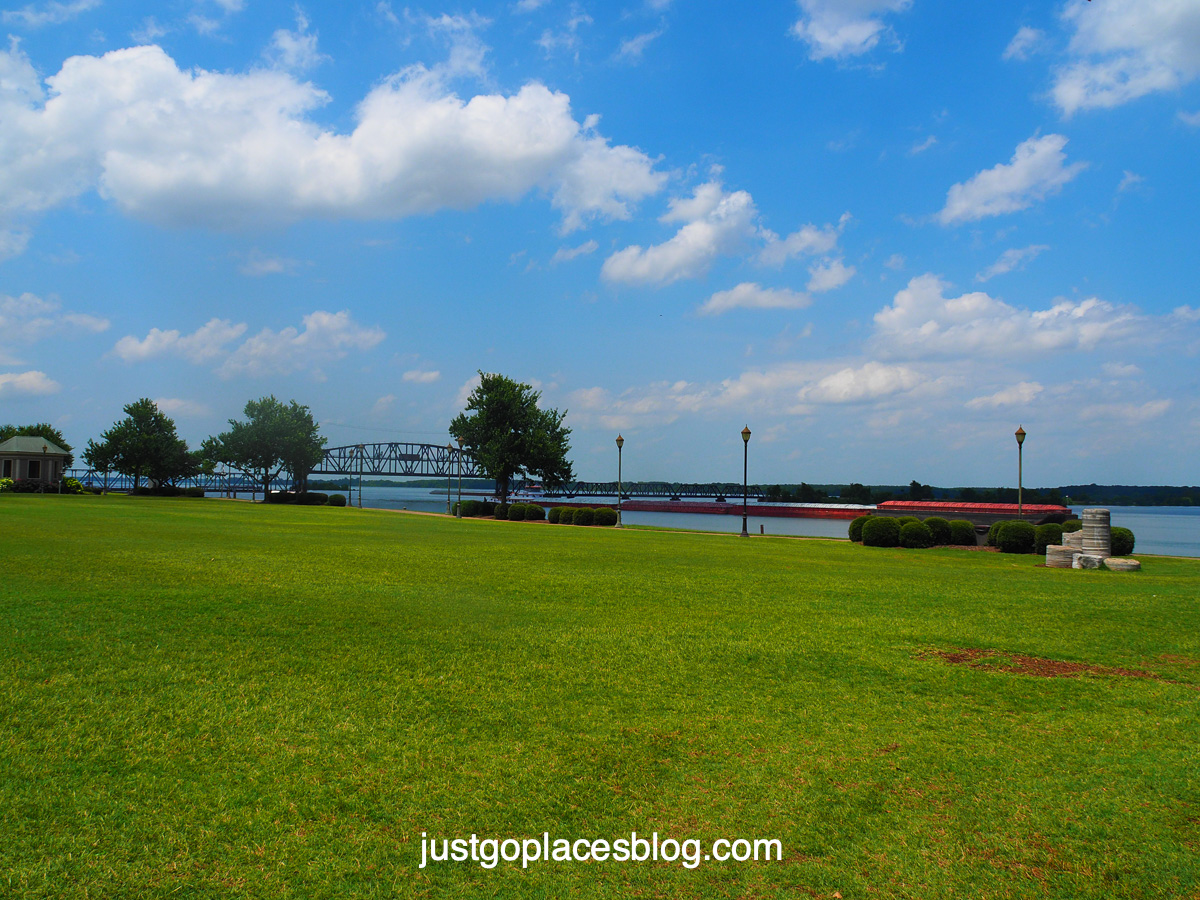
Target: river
point(1165, 530)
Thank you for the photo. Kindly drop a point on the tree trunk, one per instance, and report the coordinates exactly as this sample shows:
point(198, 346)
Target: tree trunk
point(502, 490)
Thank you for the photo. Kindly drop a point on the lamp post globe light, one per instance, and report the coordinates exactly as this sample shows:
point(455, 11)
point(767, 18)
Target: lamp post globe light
point(458, 507)
point(745, 471)
point(620, 444)
point(1020, 436)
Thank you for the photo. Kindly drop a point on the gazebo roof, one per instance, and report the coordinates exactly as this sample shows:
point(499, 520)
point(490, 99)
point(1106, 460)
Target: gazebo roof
point(32, 446)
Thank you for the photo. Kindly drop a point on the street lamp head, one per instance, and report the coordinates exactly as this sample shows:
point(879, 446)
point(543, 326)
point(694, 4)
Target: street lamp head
point(746, 435)
point(620, 442)
point(1020, 435)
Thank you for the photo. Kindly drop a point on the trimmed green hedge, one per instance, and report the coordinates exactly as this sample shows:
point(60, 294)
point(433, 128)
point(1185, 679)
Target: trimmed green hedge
point(940, 529)
point(904, 520)
point(962, 533)
point(534, 513)
point(915, 536)
point(337, 500)
point(584, 516)
point(1045, 536)
point(567, 515)
point(881, 531)
point(856, 528)
point(606, 517)
point(516, 512)
point(1016, 537)
point(1122, 541)
point(1071, 526)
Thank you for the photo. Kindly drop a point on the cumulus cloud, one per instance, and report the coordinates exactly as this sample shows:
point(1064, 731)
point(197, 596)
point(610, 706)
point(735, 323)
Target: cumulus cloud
point(749, 295)
point(219, 149)
point(871, 381)
point(839, 29)
point(295, 51)
point(716, 222)
point(828, 275)
point(566, 254)
point(1121, 370)
point(1016, 258)
point(418, 376)
point(27, 384)
point(36, 15)
point(1018, 395)
point(922, 320)
point(13, 242)
point(807, 241)
point(1037, 170)
point(30, 318)
point(204, 344)
point(1125, 49)
point(1025, 43)
point(326, 337)
point(176, 406)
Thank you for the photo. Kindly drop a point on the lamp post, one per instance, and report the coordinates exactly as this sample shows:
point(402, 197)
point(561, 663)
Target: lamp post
point(361, 452)
point(449, 456)
point(745, 471)
point(620, 444)
point(458, 507)
point(1020, 435)
point(44, 470)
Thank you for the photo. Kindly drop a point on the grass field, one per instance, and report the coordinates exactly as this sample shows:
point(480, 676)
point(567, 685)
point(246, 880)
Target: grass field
point(214, 699)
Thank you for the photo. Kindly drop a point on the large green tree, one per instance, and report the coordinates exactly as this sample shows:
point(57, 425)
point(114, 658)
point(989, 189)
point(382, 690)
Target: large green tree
point(143, 445)
point(43, 430)
point(276, 437)
point(509, 434)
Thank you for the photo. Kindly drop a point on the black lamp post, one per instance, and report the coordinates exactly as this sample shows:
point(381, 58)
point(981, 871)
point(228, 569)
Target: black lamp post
point(1020, 435)
point(361, 453)
point(449, 456)
point(745, 471)
point(458, 506)
point(620, 444)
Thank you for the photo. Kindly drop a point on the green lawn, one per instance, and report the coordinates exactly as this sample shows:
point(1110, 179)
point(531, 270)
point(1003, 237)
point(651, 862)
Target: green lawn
point(213, 699)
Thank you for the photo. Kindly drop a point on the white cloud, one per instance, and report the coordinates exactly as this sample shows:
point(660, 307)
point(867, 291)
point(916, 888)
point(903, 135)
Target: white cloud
point(1128, 181)
point(13, 243)
point(384, 404)
point(922, 146)
point(566, 254)
point(205, 343)
point(567, 37)
point(921, 320)
point(1121, 370)
point(256, 264)
point(717, 223)
point(528, 6)
point(1186, 313)
point(837, 29)
point(1126, 49)
point(631, 49)
point(326, 337)
point(417, 376)
point(828, 275)
point(807, 241)
point(895, 262)
point(30, 318)
point(35, 15)
point(1127, 413)
point(295, 51)
point(175, 406)
point(872, 381)
point(1038, 169)
point(468, 388)
point(1018, 395)
point(27, 384)
point(207, 148)
point(753, 296)
point(1190, 119)
point(1025, 43)
point(150, 31)
point(1016, 258)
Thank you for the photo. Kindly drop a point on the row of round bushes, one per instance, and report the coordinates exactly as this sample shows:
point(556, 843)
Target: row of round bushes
point(486, 509)
point(569, 515)
point(911, 532)
point(1021, 537)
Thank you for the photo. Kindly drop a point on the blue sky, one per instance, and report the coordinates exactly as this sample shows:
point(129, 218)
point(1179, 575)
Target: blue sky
point(882, 233)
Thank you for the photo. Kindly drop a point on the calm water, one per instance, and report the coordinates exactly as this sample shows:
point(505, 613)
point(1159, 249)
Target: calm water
point(1167, 530)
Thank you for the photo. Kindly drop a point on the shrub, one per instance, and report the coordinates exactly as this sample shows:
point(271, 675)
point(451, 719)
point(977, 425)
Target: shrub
point(915, 536)
point(70, 486)
point(312, 498)
point(1016, 537)
point(962, 533)
point(881, 531)
point(606, 517)
point(585, 516)
point(1072, 525)
point(195, 492)
point(6, 485)
point(28, 486)
point(1045, 535)
point(486, 508)
point(337, 500)
point(280, 497)
point(995, 530)
point(501, 510)
point(904, 520)
point(856, 528)
point(940, 529)
point(555, 515)
point(567, 515)
point(534, 513)
point(516, 512)
point(1122, 541)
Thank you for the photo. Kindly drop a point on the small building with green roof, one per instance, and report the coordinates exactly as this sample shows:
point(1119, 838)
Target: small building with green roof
point(35, 459)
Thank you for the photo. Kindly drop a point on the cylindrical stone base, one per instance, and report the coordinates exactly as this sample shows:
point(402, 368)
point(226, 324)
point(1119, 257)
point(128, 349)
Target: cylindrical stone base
point(1073, 540)
point(1097, 535)
point(1059, 557)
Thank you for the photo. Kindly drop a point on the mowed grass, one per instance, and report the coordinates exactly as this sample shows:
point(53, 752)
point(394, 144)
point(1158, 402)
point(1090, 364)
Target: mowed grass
point(214, 699)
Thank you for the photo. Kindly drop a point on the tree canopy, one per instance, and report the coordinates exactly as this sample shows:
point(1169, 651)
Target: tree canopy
point(43, 430)
point(143, 445)
point(275, 438)
point(509, 434)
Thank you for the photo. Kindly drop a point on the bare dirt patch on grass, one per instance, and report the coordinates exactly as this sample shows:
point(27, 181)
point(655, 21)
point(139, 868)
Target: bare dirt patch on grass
point(1037, 666)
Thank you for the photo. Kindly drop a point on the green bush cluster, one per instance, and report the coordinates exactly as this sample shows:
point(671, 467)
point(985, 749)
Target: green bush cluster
point(1071, 526)
point(6, 485)
point(1122, 541)
point(337, 500)
point(605, 517)
point(1016, 537)
point(915, 536)
point(940, 529)
point(502, 510)
point(534, 513)
point(525, 512)
point(904, 520)
point(584, 516)
point(995, 530)
point(1045, 536)
point(881, 531)
point(856, 528)
point(962, 533)
point(567, 515)
point(72, 486)
point(555, 515)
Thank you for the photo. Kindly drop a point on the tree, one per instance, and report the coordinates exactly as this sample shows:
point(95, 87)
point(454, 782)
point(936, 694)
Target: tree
point(510, 435)
point(42, 430)
point(275, 438)
point(143, 445)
